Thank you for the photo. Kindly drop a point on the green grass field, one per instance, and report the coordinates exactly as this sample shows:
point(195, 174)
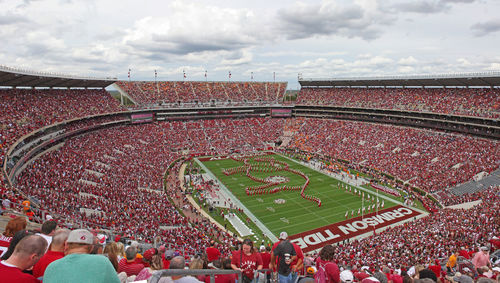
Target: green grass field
point(296, 214)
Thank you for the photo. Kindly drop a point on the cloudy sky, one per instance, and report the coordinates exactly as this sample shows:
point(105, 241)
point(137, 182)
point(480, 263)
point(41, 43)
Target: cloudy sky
point(318, 39)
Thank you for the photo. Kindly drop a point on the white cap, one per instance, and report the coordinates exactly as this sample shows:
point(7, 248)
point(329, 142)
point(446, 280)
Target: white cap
point(262, 248)
point(346, 276)
point(80, 236)
point(283, 236)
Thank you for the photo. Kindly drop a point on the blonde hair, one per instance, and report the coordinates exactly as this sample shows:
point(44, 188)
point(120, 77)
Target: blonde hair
point(121, 249)
point(196, 263)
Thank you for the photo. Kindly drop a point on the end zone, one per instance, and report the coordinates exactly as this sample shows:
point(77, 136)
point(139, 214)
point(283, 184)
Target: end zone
point(340, 231)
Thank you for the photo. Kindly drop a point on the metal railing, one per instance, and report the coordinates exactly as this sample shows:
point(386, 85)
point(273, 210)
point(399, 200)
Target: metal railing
point(183, 272)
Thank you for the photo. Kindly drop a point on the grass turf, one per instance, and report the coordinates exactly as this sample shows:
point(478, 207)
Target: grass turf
point(296, 215)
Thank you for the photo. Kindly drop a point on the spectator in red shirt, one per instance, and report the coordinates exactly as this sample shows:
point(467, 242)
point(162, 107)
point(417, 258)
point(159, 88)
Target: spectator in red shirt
point(166, 257)
point(128, 264)
point(246, 259)
point(13, 226)
point(55, 252)
point(324, 260)
point(27, 252)
point(436, 268)
point(212, 252)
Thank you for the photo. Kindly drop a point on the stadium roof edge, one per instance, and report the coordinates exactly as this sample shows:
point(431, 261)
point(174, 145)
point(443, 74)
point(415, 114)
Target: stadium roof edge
point(489, 79)
point(13, 77)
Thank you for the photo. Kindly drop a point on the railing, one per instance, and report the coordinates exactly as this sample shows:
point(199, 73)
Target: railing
point(183, 272)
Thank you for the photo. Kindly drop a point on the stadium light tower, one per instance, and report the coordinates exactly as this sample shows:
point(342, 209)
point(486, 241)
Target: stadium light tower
point(251, 76)
point(274, 76)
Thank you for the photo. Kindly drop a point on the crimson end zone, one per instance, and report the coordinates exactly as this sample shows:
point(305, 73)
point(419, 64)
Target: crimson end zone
point(337, 232)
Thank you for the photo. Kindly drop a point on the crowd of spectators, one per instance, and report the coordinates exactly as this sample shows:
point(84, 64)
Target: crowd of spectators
point(481, 102)
point(434, 237)
point(26, 110)
point(426, 159)
point(447, 198)
point(443, 246)
point(113, 178)
point(149, 93)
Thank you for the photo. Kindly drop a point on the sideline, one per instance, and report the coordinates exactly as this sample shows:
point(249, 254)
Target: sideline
point(197, 207)
point(236, 201)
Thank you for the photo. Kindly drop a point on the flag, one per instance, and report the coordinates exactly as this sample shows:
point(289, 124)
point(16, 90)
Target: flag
point(346, 213)
point(359, 211)
point(382, 203)
point(355, 191)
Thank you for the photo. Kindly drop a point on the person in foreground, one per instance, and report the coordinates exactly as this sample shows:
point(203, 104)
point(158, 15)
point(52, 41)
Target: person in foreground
point(27, 252)
point(178, 262)
point(78, 265)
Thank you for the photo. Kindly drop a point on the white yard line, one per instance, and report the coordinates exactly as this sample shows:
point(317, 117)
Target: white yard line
point(235, 200)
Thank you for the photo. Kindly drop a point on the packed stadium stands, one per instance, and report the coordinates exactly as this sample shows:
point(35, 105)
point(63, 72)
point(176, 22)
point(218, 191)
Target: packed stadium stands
point(122, 167)
point(149, 93)
point(113, 178)
point(426, 159)
point(481, 102)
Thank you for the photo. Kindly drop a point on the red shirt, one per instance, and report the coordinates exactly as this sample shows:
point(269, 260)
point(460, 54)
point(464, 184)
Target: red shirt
point(266, 259)
point(331, 269)
point(222, 278)
point(47, 258)
point(361, 275)
point(131, 268)
point(300, 255)
point(464, 253)
point(4, 244)
point(212, 254)
point(248, 264)
point(14, 274)
point(436, 269)
point(166, 262)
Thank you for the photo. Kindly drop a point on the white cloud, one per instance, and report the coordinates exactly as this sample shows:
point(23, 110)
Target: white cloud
point(318, 38)
point(361, 19)
point(195, 28)
point(410, 60)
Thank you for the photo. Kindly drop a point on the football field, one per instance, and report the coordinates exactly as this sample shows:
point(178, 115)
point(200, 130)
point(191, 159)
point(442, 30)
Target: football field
point(287, 210)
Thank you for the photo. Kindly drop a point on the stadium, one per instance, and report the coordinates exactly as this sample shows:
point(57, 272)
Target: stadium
point(396, 175)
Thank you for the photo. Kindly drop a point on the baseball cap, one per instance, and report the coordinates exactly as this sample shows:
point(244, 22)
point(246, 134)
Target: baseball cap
point(262, 248)
point(148, 255)
point(346, 276)
point(169, 254)
point(80, 236)
point(485, 248)
point(496, 268)
point(283, 235)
